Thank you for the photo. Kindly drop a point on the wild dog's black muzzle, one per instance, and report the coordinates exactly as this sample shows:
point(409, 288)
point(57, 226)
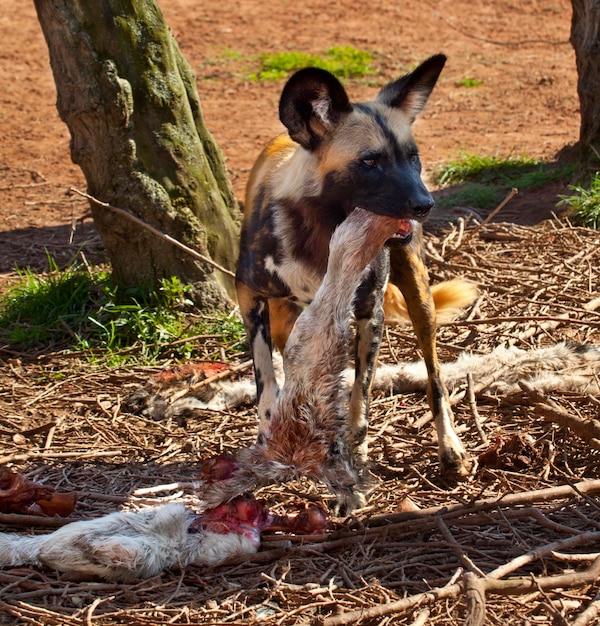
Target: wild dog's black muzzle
point(403, 196)
point(421, 210)
point(416, 209)
point(405, 208)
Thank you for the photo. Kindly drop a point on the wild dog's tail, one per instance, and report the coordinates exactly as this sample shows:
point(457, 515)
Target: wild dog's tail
point(450, 297)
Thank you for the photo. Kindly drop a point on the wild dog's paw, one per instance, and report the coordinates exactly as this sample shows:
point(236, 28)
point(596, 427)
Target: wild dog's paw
point(344, 504)
point(359, 453)
point(455, 465)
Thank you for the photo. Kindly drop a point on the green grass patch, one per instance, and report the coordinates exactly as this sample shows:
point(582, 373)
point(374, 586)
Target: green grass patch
point(483, 181)
point(341, 61)
point(485, 169)
point(469, 82)
point(81, 309)
point(474, 195)
point(584, 203)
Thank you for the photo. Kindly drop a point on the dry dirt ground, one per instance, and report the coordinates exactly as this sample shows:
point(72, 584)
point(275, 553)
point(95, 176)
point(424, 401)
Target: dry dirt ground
point(62, 421)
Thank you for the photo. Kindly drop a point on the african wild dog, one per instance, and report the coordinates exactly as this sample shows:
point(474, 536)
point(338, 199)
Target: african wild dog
point(338, 156)
point(308, 427)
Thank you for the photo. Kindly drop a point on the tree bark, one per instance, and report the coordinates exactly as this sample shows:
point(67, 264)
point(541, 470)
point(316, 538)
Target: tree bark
point(130, 102)
point(585, 39)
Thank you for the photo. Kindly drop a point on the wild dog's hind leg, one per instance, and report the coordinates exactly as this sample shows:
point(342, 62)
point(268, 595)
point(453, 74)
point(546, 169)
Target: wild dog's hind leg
point(368, 314)
point(255, 313)
point(409, 273)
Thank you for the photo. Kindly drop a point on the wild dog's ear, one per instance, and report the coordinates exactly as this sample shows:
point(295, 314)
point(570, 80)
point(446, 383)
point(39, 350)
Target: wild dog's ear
point(312, 102)
point(410, 93)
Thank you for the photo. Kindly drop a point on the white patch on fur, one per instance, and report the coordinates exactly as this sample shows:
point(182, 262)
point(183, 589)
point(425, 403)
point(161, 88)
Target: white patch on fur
point(398, 121)
point(303, 283)
point(263, 363)
point(16, 550)
point(214, 548)
point(321, 108)
point(292, 178)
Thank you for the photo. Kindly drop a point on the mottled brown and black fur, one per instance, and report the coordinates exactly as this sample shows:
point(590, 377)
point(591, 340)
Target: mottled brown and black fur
point(337, 156)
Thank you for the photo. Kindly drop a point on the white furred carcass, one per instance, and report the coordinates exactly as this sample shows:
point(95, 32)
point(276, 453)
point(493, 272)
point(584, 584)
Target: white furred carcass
point(124, 546)
point(562, 367)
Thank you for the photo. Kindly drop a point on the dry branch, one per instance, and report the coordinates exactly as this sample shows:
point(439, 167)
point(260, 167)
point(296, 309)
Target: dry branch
point(588, 430)
point(589, 615)
point(32, 521)
point(510, 500)
point(547, 550)
point(514, 586)
point(512, 193)
point(490, 321)
point(473, 408)
point(474, 588)
point(158, 233)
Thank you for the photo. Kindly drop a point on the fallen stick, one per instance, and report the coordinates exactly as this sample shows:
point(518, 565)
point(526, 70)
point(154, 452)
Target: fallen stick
point(575, 558)
point(464, 559)
point(537, 553)
point(526, 584)
point(475, 596)
point(30, 521)
point(514, 586)
point(589, 615)
point(512, 193)
point(421, 618)
point(474, 411)
point(156, 232)
point(381, 610)
point(522, 318)
point(44, 454)
point(508, 500)
point(588, 430)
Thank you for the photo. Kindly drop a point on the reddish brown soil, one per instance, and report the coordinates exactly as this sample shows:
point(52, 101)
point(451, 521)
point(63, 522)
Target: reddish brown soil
point(527, 103)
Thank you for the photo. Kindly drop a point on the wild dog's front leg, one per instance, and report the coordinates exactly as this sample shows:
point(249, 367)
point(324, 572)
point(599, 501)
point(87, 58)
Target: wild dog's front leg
point(409, 273)
point(368, 312)
point(282, 315)
point(255, 313)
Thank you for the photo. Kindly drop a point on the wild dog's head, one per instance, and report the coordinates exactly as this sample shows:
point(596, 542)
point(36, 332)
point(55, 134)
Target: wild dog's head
point(365, 153)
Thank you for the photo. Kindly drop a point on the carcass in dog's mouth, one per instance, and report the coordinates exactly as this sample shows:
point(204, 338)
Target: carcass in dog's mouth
point(403, 234)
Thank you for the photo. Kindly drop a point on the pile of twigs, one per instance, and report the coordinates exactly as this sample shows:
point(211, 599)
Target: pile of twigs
point(517, 543)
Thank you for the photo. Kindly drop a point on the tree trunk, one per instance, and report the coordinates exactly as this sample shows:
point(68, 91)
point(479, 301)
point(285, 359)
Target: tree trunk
point(131, 105)
point(585, 39)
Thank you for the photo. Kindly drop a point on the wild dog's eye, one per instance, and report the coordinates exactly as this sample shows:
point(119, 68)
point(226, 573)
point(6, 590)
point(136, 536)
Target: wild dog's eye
point(415, 162)
point(370, 161)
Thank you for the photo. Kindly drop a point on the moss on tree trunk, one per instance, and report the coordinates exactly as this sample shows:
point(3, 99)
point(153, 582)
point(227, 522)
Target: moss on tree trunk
point(130, 101)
